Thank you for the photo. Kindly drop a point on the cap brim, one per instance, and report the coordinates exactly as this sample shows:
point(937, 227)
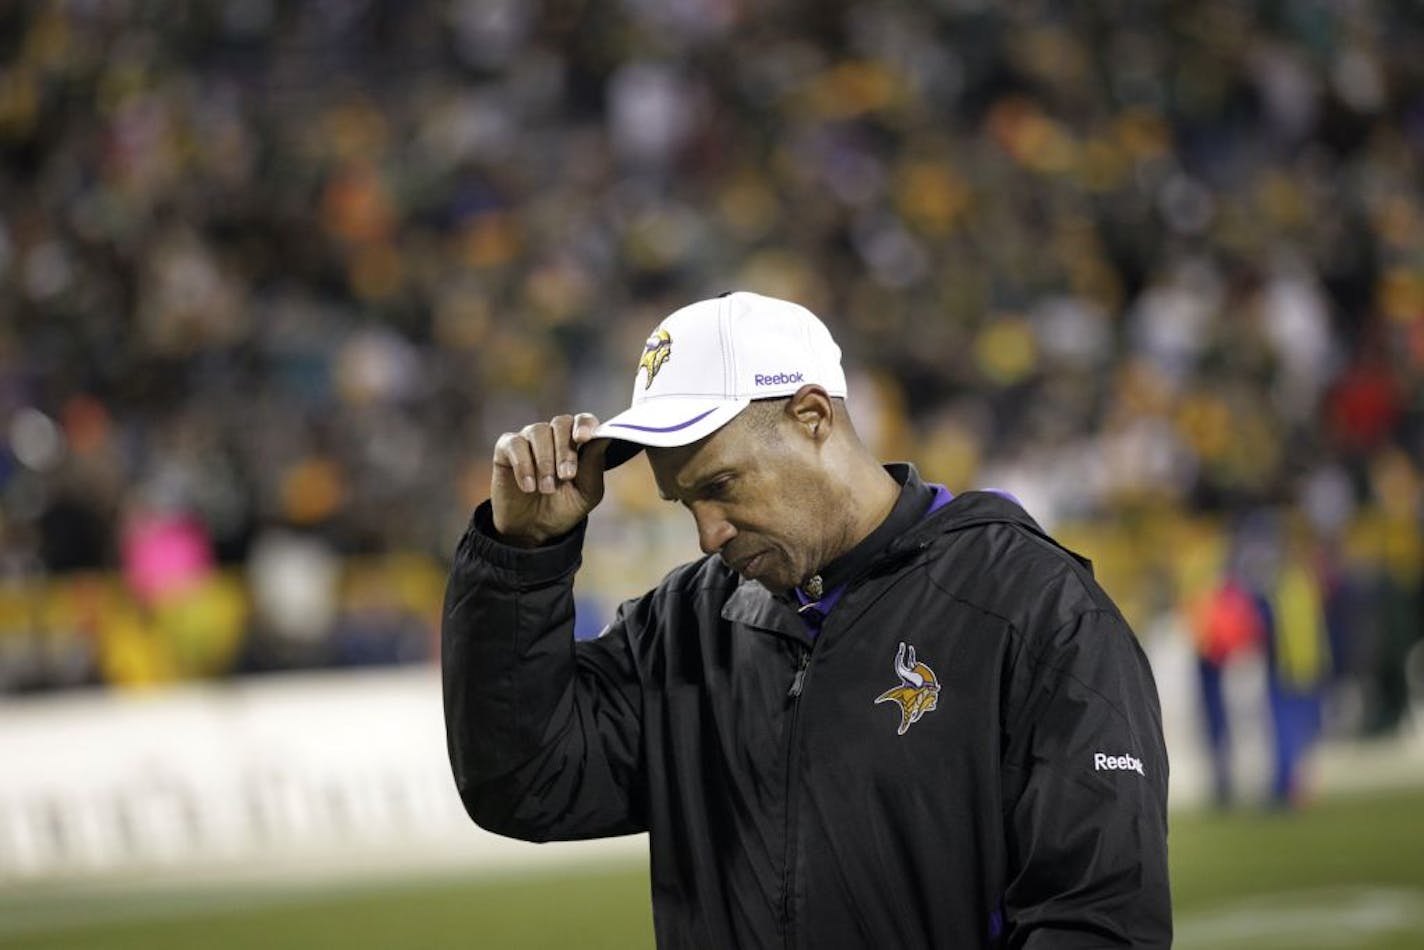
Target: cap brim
point(664, 423)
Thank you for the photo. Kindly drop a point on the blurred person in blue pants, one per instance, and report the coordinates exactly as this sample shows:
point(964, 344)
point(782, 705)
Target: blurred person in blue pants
point(1288, 597)
point(1227, 625)
point(1298, 667)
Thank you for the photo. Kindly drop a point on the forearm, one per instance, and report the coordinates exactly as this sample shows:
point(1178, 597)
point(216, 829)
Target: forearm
point(524, 711)
point(506, 657)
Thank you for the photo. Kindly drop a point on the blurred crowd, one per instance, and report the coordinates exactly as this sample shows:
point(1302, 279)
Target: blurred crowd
point(273, 277)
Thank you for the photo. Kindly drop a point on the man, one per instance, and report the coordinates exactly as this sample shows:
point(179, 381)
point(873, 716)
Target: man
point(874, 715)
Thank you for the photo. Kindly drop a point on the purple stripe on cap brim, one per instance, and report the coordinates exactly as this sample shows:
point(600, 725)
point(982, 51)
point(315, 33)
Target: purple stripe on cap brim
point(680, 425)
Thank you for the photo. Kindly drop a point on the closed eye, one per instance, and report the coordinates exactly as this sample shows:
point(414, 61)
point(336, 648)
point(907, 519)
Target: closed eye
point(718, 488)
point(714, 489)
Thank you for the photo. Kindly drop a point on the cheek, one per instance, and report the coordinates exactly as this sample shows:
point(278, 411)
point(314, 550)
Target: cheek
point(801, 520)
point(790, 522)
point(794, 538)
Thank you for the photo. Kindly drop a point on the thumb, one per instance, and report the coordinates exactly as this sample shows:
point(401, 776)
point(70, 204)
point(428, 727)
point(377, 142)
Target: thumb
point(590, 468)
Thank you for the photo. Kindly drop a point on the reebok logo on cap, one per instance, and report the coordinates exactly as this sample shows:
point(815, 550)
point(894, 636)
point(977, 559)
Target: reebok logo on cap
point(779, 379)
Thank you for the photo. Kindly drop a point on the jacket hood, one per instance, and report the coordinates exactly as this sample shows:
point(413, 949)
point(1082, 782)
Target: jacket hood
point(972, 509)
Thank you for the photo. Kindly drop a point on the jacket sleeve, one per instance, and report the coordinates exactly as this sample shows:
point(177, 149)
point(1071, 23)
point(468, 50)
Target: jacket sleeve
point(1085, 780)
point(543, 733)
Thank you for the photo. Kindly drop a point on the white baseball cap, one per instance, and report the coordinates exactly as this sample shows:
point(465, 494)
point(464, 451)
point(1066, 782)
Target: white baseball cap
point(708, 361)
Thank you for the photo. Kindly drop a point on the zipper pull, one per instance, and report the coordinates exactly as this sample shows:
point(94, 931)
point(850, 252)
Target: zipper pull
point(800, 677)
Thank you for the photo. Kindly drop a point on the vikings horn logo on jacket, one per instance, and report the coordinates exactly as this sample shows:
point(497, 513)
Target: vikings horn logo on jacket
point(918, 692)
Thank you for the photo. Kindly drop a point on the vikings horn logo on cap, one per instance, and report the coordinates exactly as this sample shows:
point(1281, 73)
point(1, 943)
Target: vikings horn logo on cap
point(655, 353)
point(918, 692)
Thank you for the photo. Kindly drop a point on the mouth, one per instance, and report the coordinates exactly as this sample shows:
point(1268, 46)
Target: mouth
point(746, 567)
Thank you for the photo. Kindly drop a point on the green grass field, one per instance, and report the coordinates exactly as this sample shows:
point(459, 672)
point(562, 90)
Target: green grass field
point(1346, 873)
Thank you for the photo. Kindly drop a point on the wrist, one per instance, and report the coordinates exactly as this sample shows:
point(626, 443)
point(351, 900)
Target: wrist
point(524, 537)
point(523, 541)
point(538, 563)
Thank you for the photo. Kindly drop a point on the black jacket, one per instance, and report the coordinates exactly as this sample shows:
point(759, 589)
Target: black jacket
point(785, 806)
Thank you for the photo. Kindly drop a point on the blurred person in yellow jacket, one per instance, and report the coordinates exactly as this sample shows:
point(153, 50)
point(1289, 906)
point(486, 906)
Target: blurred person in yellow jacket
point(1289, 599)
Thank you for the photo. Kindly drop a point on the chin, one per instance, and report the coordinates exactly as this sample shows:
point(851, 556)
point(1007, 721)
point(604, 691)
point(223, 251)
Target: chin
point(776, 582)
point(771, 580)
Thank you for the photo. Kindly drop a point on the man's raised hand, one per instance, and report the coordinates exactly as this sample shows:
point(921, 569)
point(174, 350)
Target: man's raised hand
point(547, 477)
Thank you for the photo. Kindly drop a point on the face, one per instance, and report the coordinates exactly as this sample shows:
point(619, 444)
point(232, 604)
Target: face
point(757, 498)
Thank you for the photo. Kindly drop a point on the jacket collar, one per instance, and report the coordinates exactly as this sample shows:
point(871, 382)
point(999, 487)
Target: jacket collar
point(755, 606)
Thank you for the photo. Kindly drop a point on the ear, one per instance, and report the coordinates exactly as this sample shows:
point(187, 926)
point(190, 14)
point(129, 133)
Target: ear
point(813, 412)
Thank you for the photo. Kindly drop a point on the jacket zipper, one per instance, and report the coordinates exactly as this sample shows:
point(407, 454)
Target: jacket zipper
point(798, 683)
point(799, 680)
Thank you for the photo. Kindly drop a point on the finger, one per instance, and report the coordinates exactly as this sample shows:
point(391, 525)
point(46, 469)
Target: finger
point(541, 444)
point(512, 452)
point(585, 424)
point(565, 454)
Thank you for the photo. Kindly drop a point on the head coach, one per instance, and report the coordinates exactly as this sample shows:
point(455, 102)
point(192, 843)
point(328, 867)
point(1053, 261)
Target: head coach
point(875, 714)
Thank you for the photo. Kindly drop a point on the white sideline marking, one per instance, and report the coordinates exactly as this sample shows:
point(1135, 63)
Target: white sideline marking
point(1336, 917)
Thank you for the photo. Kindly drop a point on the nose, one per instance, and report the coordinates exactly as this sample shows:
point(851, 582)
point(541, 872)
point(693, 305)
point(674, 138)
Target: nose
point(713, 529)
